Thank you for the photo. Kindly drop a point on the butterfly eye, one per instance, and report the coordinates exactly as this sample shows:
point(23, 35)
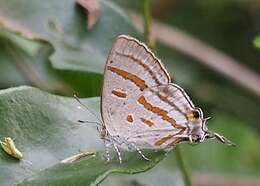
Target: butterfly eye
point(196, 114)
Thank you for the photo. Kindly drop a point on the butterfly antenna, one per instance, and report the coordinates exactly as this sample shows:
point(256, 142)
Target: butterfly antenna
point(224, 140)
point(213, 135)
point(89, 110)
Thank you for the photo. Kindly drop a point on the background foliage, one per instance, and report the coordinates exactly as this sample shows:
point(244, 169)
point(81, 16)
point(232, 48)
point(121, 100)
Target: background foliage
point(46, 44)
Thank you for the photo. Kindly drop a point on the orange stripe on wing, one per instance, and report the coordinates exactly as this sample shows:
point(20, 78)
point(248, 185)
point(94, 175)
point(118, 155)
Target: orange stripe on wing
point(141, 63)
point(126, 75)
point(129, 118)
point(178, 139)
point(119, 93)
point(159, 112)
point(163, 140)
point(165, 99)
point(147, 122)
point(175, 142)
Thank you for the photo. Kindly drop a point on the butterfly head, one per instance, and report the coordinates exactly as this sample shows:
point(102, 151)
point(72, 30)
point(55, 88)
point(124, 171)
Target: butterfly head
point(199, 135)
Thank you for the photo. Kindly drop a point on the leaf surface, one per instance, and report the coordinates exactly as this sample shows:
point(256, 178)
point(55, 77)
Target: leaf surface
point(46, 131)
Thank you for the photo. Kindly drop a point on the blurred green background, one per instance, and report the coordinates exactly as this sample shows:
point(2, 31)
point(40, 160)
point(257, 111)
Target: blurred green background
point(72, 61)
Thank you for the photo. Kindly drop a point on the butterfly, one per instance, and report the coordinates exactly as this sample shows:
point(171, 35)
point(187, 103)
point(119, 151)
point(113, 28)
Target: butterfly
point(141, 108)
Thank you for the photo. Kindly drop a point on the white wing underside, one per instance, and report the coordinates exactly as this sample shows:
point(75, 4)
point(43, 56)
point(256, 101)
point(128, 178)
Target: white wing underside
point(139, 104)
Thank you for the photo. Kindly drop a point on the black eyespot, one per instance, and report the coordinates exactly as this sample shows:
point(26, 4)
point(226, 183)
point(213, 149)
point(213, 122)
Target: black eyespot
point(196, 114)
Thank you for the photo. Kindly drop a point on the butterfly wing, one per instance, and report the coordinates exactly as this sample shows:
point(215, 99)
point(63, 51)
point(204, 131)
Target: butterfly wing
point(162, 117)
point(130, 69)
point(139, 104)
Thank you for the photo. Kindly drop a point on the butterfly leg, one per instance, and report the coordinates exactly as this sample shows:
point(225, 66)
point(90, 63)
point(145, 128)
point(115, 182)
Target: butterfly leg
point(107, 144)
point(140, 152)
point(118, 153)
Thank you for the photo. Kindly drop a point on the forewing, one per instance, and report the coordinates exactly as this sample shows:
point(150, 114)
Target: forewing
point(131, 68)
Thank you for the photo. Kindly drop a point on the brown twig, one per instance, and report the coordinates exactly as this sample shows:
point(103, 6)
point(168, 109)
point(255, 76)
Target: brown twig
point(203, 53)
point(163, 6)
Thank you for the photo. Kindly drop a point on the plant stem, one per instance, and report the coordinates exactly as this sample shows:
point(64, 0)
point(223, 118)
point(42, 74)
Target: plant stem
point(147, 24)
point(183, 168)
point(151, 44)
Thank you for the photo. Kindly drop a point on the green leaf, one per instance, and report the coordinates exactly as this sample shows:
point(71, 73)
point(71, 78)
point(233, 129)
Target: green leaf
point(92, 170)
point(9, 73)
point(169, 176)
point(257, 42)
point(25, 62)
point(46, 130)
point(63, 24)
